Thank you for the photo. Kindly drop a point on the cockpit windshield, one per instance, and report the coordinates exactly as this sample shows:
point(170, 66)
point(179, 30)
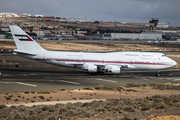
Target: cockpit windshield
point(163, 55)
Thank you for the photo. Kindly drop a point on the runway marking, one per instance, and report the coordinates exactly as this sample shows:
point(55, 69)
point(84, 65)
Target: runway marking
point(26, 84)
point(44, 80)
point(69, 82)
point(106, 80)
point(7, 82)
point(176, 80)
point(19, 83)
point(145, 79)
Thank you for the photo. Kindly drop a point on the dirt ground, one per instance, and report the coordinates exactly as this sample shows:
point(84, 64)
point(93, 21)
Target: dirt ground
point(83, 94)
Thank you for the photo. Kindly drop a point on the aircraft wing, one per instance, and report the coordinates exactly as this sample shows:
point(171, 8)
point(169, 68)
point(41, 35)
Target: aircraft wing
point(99, 65)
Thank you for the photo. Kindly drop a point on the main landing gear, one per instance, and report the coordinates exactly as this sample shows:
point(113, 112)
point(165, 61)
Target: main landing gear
point(97, 73)
point(158, 74)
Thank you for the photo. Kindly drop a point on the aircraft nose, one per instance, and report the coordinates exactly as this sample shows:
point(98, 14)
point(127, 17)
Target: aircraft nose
point(174, 63)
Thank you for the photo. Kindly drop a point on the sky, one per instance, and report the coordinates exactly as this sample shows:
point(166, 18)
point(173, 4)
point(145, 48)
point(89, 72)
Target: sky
point(101, 10)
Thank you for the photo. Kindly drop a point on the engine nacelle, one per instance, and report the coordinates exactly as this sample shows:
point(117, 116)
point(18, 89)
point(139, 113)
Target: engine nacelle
point(89, 67)
point(113, 69)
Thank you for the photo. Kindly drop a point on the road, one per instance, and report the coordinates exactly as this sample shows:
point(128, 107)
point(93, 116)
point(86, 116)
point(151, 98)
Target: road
point(25, 79)
point(97, 41)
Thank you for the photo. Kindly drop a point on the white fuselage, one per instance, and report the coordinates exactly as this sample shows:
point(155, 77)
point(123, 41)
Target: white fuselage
point(128, 60)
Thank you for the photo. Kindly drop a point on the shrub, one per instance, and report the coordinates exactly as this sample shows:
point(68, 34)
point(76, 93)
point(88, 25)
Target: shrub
point(33, 92)
point(2, 106)
point(81, 98)
point(145, 107)
point(26, 92)
point(128, 109)
point(47, 99)
point(160, 106)
point(41, 97)
point(70, 113)
point(62, 110)
point(17, 116)
point(44, 108)
point(100, 109)
point(97, 88)
point(43, 92)
point(62, 89)
point(8, 98)
point(52, 118)
point(132, 85)
point(51, 110)
point(87, 88)
point(16, 100)
point(85, 104)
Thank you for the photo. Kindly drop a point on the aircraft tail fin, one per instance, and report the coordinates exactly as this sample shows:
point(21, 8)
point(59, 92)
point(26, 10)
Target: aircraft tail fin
point(22, 40)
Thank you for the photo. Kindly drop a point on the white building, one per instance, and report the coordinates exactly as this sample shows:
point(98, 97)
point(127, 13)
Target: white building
point(141, 36)
point(9, 15)
point(162, 25)
point(5, 29)
point(39, 15)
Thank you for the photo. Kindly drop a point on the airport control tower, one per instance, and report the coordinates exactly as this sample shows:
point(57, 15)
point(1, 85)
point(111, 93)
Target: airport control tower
point(153, 23)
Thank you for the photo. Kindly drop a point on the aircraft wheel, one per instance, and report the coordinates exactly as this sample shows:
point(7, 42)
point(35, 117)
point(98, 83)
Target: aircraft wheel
point(158, 74)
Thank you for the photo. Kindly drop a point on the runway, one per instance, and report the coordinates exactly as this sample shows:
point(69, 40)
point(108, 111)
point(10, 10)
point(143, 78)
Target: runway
point(25, 79)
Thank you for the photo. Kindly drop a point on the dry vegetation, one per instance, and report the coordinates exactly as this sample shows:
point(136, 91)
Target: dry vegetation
point(118, 108)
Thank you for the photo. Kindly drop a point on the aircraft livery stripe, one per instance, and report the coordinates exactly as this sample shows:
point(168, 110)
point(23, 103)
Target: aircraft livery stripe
point(95, 61)
point(28, 37)
point(19, 35)
point(23, 37)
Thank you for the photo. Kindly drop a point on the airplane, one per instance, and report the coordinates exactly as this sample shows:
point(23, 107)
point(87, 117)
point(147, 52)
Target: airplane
point(93, 62)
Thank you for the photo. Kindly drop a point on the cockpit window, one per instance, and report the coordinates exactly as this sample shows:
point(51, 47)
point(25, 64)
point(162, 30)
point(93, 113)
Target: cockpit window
point(163, 55)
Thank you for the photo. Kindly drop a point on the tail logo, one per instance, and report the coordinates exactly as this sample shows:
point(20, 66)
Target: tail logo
point(23, 37)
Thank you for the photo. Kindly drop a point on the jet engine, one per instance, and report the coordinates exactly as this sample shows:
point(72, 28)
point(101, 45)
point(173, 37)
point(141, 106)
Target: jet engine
point(113, 69)
point(89, 67)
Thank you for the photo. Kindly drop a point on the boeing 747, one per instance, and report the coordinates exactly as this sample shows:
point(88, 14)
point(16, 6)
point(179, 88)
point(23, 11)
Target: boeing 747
point(93, 62)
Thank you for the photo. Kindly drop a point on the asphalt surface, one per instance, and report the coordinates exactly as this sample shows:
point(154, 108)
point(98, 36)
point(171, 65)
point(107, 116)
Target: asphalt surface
point(26, 79)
